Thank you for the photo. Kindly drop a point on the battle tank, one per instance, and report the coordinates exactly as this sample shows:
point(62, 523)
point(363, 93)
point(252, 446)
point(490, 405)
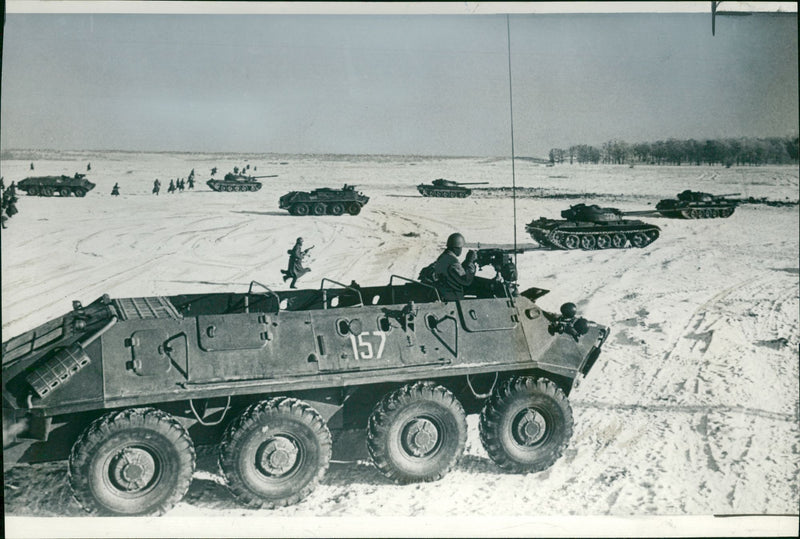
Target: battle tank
point(697, 205)
point(138, 380)
point(237, 182)
point(446, 189)
point(593, 227)
point(47, 186)
point(324, 201)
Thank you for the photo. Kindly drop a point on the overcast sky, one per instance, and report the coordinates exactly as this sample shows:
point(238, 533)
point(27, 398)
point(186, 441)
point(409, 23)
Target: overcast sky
point(393, 84)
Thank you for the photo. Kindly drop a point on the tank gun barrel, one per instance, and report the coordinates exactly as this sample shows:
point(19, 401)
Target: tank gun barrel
point(641, 212)
point(728, 195)
point(472, 183)
point(267, 176)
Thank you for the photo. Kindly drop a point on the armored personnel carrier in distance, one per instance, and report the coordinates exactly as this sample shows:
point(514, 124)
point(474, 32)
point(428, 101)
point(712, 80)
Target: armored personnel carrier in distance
point(47, 186)
point(697, 205)
point(592, 227)
point(270, 373)
point(446, 189)
point(324, 201)
point(237, 182)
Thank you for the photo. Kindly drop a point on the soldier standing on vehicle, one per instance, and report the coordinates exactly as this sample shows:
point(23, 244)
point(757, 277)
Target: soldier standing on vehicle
point(447, 274)
point(295, 270)
point(115, 190)
point(156, 187)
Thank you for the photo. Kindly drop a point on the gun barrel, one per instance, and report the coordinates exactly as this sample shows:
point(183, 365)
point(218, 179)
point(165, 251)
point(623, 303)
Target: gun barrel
point(728, 195)
point(473, 183)
point(267, 176)
point(641, 212)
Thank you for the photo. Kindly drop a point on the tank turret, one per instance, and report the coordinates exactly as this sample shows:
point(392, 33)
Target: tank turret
point(446, 188)
point(324, 200)
point(697, 205)
point(47, 186)
point(592, 227)
point(237, 182)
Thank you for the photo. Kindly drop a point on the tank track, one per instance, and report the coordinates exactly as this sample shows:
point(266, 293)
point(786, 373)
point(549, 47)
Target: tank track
point(443, 193)
point(709, 212)
point(552, 234)
point(230, 187)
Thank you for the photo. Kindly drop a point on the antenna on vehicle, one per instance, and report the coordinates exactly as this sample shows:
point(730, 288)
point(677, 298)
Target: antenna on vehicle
point(511, 113)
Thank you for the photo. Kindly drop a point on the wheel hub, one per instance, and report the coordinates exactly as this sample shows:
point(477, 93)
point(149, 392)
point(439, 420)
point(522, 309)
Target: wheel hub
point(531, 427)
point(420, 437)
point(279, 456)
point(132, 469)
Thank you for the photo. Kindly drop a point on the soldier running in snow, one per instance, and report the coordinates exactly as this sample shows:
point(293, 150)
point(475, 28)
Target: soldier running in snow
point(295, 270)
point(115, 190)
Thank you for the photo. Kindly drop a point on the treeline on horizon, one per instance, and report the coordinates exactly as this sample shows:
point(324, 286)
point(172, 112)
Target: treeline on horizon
point(728, 152)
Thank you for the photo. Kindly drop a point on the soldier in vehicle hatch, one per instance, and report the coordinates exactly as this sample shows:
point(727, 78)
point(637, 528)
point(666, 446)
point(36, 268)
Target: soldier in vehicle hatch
point(447, 274)
point(296, 269)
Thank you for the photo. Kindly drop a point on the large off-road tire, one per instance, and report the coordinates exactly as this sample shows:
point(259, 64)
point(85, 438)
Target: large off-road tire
point(417, 433)
point(526, 424)
point(300, 209)
point(64, 192)
point(33, 191)
point(354, 208)
point(319, 208)
point(337, 208)
point(137, 461)
point(275, 453)
point(80, 192)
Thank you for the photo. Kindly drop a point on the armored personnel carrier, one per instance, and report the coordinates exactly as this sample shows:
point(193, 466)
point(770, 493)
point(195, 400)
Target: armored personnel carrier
point(592, 227)
point(446, 189)
point(47, 186)
point(270, 373)
point(697, 205)
point(324, 201)
point(237, 182)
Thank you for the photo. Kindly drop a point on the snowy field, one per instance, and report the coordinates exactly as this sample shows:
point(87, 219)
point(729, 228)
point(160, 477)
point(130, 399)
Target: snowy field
point(691, 409)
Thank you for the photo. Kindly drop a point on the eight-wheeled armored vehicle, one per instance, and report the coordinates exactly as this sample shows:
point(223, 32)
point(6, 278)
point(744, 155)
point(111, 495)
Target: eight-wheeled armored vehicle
point(273, 372)
point(593, 227)
point(446, 188)
point(324, 201)
point(237, 182)
point(698, 205)
point(47, 186)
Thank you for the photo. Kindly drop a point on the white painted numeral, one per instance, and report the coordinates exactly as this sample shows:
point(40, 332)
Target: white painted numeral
point(362, 349)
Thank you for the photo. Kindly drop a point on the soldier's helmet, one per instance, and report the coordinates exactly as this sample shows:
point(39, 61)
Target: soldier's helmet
point(455, 242)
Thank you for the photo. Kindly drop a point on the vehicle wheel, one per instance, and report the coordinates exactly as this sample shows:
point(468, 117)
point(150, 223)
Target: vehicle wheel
point(618, 241)
point(714, 213)
point(33, 191)
point(706, 214)
point(694, 214)
point(254, 188)
point(639, 239)
point(526, 424)
point(47, 191)
point(319, 208)
point(588, 243)
point(300, 209)
point(64, 192)
point(572, 241)
point(275, 453)
point(417, 433)
point(354, 208)
point(137, 461)
point(603, 241)
point(80, 192)
point(337, 209)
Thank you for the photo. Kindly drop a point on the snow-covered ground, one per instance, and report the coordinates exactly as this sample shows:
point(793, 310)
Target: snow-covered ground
point(691, 409)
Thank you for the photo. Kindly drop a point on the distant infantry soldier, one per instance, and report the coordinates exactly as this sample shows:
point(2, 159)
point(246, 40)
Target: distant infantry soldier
point(447, 274)
point(191, 180)
point(180, 185)
point(171, 188)
point(213, 171)
point(236, 170)
point(296, 269)
point(156, 187)
point(191, 175)
point(115, 190)
point(31, 166)
point(88, 166)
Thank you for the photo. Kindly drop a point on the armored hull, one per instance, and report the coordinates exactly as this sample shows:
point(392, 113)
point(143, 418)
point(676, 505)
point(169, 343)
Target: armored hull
point(592, 227)
point(442, 188)
point(697, 205)
point(47, 186)
point(324, 201)
point(282, 368)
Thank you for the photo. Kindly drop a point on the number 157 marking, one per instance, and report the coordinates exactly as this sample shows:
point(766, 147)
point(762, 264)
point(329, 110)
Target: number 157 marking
point(362, 347)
